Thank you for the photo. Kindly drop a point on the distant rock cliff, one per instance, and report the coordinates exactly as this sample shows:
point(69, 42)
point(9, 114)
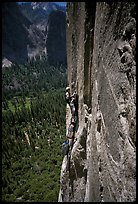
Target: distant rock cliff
point(26, 34)
point(38, 12)
point(56, 37)
point(101, 53)
point(20, 38)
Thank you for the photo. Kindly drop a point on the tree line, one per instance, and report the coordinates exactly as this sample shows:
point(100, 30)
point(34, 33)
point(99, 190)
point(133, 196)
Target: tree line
point(33, 129)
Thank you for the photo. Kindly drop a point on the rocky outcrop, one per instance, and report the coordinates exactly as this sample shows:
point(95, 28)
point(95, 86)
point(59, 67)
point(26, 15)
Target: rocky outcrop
point(56, 37)
point(38, 12)
point(25, 33)
point(101, 49)
point(20, 38)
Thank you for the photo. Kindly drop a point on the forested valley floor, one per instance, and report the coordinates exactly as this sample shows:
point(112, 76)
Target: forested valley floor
point(33, 130)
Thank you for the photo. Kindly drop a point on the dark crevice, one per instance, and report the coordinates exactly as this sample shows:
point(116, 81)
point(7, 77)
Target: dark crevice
point(90, 8)
point(67, 21)
point(99, 125)
point(85, 174)
point(100, 179)
point(100, 169)
point(101, 188)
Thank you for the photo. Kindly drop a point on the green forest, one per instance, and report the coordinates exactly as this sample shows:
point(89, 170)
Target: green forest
point(33, 130)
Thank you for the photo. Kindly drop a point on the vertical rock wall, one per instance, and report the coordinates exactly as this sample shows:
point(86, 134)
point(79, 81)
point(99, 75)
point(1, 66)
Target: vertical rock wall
point(101, 54)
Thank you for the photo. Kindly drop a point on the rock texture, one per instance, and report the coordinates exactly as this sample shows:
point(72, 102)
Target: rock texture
point(101, 53)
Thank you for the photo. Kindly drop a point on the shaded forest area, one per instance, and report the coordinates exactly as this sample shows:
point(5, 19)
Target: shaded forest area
point(33, 129)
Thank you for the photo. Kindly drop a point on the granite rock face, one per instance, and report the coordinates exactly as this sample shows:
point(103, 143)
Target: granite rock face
point(101, 58)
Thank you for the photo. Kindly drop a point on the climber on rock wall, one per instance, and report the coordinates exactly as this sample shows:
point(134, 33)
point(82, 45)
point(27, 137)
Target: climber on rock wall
point(72, 100)
point(70, 134)
point(73, 110)
point(67, 95)
point(65, 148)
point(74, 105)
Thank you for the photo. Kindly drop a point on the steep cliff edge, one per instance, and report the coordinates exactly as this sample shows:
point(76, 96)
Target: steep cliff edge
point(101, 53)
